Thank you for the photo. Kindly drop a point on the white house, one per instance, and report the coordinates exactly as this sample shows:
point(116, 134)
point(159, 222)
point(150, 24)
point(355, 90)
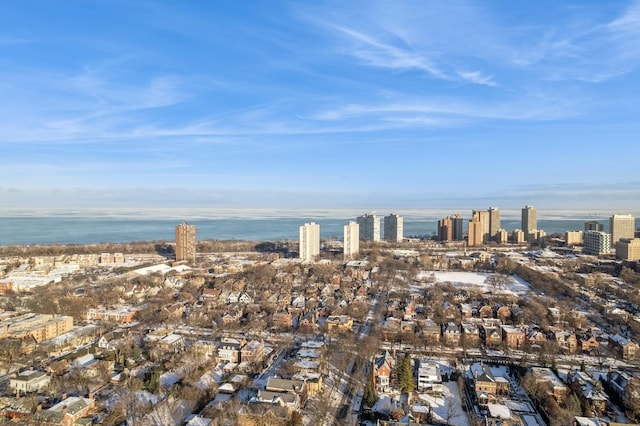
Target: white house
point(29, 381)
point(429, 378)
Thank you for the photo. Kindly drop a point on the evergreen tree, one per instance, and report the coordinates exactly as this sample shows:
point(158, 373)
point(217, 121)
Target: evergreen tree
point(405, 375)
point(152, 380)
point(370, 397)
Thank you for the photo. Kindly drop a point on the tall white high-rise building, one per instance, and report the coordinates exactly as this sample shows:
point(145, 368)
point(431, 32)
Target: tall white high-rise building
point(309, 241)
point(369, 227)
point(351, 240)
point(621, 226)
point(393, 228)
point(529, 220)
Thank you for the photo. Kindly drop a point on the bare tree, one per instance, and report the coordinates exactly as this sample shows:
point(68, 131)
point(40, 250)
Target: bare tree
point(452, 410)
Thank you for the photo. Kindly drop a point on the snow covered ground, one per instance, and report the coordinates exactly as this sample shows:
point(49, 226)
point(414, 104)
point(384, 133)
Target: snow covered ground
point(449, 406)
point(170, 378)
point(386, 403)
point(477, 281)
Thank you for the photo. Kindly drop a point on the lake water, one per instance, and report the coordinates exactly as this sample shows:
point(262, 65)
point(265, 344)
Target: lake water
point(91, 227)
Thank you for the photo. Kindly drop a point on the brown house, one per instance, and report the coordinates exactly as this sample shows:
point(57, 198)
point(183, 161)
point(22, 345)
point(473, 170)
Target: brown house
point(210, 294)
point(631, 351)
point(282, 319)
point(588, 344)
point(308, 321)
point(627, 349)
point(452, 334)
point(567, 341)
point(253, 351)
point(382, 368)
point(67, 412)
point(492, 337)
point(470, 334)
point(536, 338)
point(514, 337)
point(430, 331)
point(486, 385)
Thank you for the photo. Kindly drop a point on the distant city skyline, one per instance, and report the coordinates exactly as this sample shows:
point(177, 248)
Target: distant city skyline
point(363, 105)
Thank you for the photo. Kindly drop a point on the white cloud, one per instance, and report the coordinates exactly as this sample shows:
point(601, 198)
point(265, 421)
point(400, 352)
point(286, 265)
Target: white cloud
point(478, 77)
point(379, 54)
point(443, 110)
point(587, 49)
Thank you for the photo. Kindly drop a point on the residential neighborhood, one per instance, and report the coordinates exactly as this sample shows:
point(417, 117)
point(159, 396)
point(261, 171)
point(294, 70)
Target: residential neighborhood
point(414, 332)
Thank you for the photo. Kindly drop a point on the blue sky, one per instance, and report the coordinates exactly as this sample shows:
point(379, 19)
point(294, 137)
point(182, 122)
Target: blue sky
point(319, 104)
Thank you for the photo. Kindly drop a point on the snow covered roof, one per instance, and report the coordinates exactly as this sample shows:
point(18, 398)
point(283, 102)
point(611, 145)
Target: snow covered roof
point(499, 411)
point(312, 344)
point(199, 421)
point(588, 421)
point(227, 388)
point(308, 353)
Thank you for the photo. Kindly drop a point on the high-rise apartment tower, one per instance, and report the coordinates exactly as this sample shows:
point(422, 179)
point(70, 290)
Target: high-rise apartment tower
point(529, 220)
point(369, 227)
point(621, 226)
point(445, 229)
point(475, 234)
point(596, 242)
point(457, 222)
point(309, 241)
point(393, 228)
point(351, 240)
point(186, 242)
point(494, 222)
point(483, 218)
point(592, 225)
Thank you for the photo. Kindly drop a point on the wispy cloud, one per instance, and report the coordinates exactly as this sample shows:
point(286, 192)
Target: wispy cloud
point(397, 42)
point(580, 43)
point(89, 104)
point(587, 49)
point(383, 55)
point(478, 77)
point(531, 108)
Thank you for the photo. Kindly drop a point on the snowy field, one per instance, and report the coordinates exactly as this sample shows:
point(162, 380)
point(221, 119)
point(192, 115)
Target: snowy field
point(477, 281)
